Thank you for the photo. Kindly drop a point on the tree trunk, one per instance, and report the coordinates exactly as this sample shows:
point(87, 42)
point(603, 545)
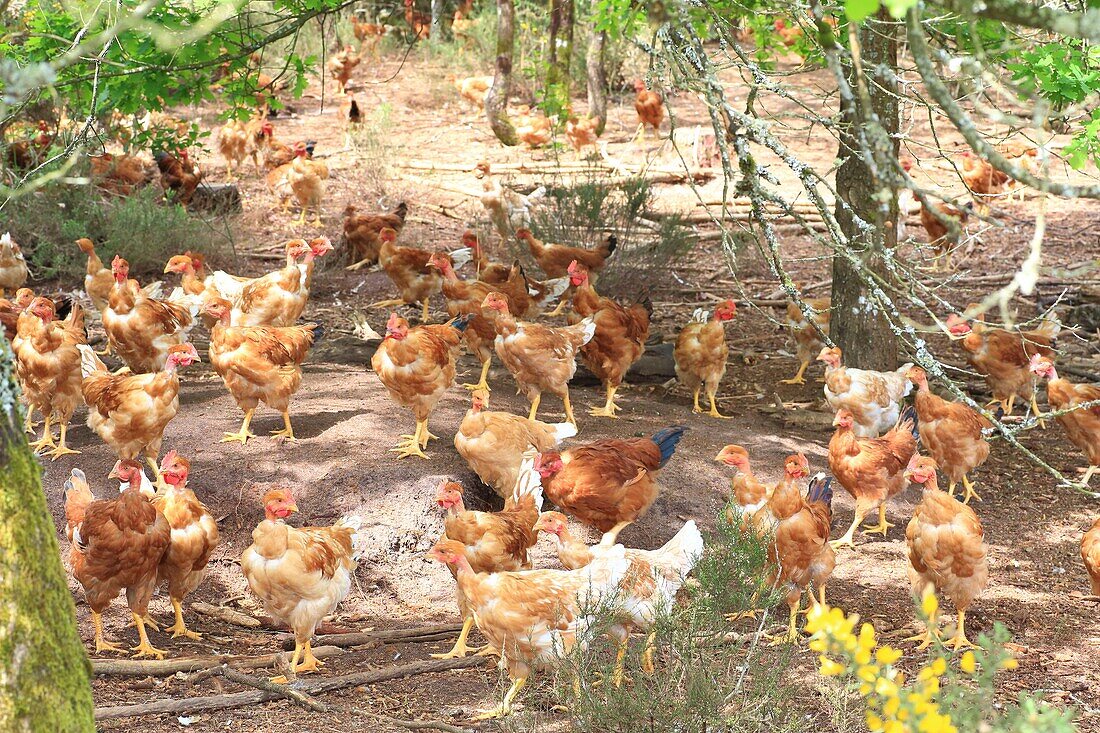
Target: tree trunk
point(437, 21)
point(560, 54)
point(857, 326)
point(597, 80)
point(45, 676)
point(496, 102)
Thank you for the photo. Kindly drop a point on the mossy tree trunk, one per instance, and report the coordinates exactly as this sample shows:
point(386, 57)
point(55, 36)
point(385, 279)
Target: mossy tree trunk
point(597, 79)
point(858, 327)
point(437, 21)
point(496, 102)
point(45, 676)
point(559, 56)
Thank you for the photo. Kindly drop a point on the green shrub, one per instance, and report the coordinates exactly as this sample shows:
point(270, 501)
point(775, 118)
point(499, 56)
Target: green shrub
point(140, 228)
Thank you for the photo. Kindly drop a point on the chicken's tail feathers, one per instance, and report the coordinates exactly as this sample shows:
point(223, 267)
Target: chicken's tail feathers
point(589, 328)
point(316, 331)
point(563, 430)
point(359, 540)
point(462, 256)
point(553, 290)
point(89, 362)
point(821, 489)
point(460, 322)
point(667, 439)
point(684, 550)
point(909, 421)
point(529, 482)
point(610, 244)
point(77, 483)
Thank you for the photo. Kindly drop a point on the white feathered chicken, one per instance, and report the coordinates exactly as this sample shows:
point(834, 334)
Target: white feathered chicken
point(873, 398)
point(508, 210)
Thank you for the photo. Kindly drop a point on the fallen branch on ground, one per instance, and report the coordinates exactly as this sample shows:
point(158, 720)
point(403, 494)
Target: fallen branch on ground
point(389, 636)
point(166, 667)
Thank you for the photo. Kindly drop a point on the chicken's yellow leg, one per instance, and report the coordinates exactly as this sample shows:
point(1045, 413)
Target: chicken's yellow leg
point(609, 408)
point(647, 656)
point(46, 441)
point(309, 663)
point(1036, 412)
point(29, 424)
point(951, 488)
point(959, 640)
point(243, 434)
point(287, 431)
point(411, 445)
point(882, 525)
point(714, 409)
point(848, 538)
point(558, 309)
point(281, 679)
point(180, 628)
point(301, 218)
point(695, 400)
point(620, 657)
point(387, 303)
point(506, 708)
point(798, 378)
point(101, 644)
point(569, 418)
point(483, 382)
point(460, 649)
point(535, 406)
point(424, 318)
point(1088, 474)
point(970, 493)
point(62, 449)
point(144, 648)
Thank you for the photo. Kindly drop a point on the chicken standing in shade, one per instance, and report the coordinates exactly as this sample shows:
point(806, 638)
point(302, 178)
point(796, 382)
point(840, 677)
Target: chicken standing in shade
point(701, 354)
point(947, 553)
point(1081, 425)
point(416, 366)
point(13, 268)
point(873, 398)
point(806, 335)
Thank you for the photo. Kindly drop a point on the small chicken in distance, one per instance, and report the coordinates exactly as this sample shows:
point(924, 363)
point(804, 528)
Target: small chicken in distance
point(341, 65)
point(474, 89)
point(581, 132)
point(808, 343)
point(947, 553)
point(940, 238)
point(13, 268)
point(701, 354)
point(1081, 425)
point(650, 107)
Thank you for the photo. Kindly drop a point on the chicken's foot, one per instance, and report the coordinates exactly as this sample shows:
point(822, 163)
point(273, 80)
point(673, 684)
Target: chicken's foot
point(799, 377)
point(714, 409)
point(569, 418)
point(460, 649)
point(848, 539)
point(29, 425)
point(610, 407)
point(1037, 413)
point(412, 445)
point(620, 656)
point(970, 492)
point(925, 637)
point(882, 526)
point(294, 657)
point(101, 644)
point(309, 663)
point(243, 434)
point(483, 382)
point(61, 449)
point(46, 441)
point(144, 648)
point(287, 431)
point(506, 708)
point(180, 628)
point(959, 640)
point(695, 401)
point(558, 309)
point(792, 626)
point(535, 406)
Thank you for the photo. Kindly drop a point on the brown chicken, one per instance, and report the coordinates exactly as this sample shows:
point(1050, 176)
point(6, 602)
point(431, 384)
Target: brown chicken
point(541, 358)
point(99, 282)
point(800, 555)
point(554, 259)
point(650, 107)
point(408, 268)
point(416, 366)
point(951, 432)
point(130, 411)
point(464, 297)
point(23, 155)
point(368, 35)
point(1081, 425)
point(581, 132)
point(947, 554)
point(13, 267)
point(488, 271)
point(807, 340)
point(278, 298)
point(493, 443)
point(10, 311)
point(362, 233)
point(1090, 554)
point(258, 363)
point(300, 574)
point(473, 89)
point(981, 178)
point(749, 495)
point(1003, 357)
point(788, 35)
point(871, 470)
point(192, 269)
point(119, 174)
point(701, 352)
point(495, 541)
point(233, 145)
point(352, 115)
point(341, 65)
point(873, 398)
point(48, 367)
point(610, 483)
point(419, 23)
point(462, 25)
point(306, 179)
point(533, 129)
point(178, 174)
point(619, 341)
point(117, 544)
point(277, 154)
point(940, 238)
point(140, 329)
point(193, 538)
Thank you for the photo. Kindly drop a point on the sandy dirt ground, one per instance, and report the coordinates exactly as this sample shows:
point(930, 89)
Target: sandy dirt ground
point(345, 422)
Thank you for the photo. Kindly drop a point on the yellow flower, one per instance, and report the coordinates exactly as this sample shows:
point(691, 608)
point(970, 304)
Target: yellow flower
point(887, 655)
point(885, 688)
point(930, 605)
point(874, 722)
point(890, 709)
point(968, 663)
point(829, 668)
point(863, 656)
point(1010, 663)
point(939, 666)
point(867, 637)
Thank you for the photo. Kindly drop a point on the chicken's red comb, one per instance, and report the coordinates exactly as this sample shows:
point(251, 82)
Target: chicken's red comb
point(119, 262)
point(394, 321)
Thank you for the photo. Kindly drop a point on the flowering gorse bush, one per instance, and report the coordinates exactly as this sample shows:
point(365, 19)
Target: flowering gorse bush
point(940, 697)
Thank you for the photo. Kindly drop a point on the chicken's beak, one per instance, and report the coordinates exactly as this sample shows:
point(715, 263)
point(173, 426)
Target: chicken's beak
point(292, 507)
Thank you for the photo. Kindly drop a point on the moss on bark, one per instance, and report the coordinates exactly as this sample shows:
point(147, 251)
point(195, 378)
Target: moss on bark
point(45, 676)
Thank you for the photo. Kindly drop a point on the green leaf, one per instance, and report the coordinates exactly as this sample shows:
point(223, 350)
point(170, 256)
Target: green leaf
point(857, 10)
point(898, 8)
